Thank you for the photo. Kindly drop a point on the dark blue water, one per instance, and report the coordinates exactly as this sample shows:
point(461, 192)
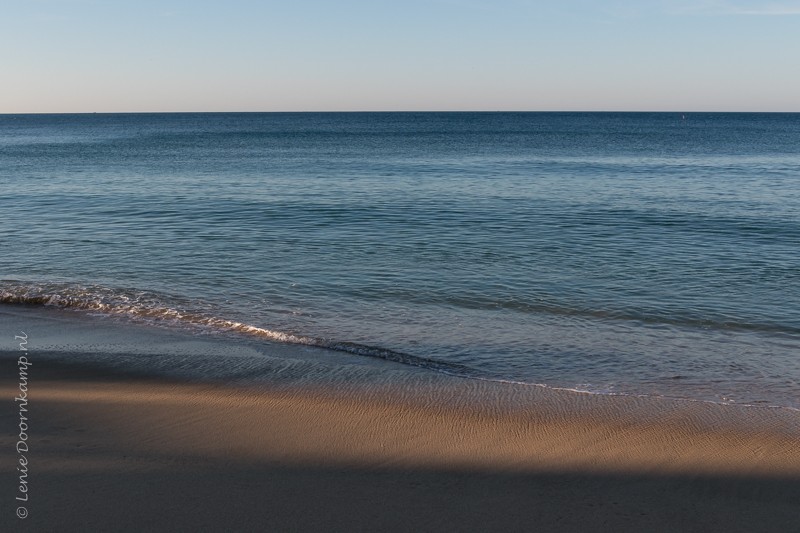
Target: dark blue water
point(632, 253)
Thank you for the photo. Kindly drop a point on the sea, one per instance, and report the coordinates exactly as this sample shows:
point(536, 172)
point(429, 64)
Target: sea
point(653, 254)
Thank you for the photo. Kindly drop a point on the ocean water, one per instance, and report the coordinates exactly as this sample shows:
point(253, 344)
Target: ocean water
point(628, 253)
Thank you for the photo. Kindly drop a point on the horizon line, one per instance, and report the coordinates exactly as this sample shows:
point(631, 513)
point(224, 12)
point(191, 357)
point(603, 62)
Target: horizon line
point(677, 111)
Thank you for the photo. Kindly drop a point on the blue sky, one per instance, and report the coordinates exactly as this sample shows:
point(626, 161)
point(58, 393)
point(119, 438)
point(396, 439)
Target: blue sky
point(307, 55)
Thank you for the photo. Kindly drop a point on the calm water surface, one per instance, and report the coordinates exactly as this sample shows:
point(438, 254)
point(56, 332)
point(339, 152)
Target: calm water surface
point(632, 253)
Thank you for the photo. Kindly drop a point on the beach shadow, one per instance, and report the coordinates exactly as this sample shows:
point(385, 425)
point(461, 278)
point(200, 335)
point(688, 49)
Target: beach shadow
point(274, 497)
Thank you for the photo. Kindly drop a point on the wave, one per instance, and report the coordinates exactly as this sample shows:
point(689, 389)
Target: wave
point(152, 307)
point(549, 306)
point(173, 311)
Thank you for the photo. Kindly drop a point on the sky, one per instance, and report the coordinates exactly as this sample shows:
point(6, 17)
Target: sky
point(63, 56)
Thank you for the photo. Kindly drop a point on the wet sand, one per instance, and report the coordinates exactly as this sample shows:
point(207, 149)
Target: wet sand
point(117, 447)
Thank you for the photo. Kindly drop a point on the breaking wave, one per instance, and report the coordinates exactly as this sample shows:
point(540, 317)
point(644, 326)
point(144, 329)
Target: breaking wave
point(155, 308)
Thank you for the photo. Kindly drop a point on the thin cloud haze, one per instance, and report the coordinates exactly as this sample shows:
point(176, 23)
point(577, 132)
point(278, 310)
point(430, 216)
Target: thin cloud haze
point(736, 8)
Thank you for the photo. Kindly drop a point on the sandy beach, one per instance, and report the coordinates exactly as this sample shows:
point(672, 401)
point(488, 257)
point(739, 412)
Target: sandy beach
point(119, 449)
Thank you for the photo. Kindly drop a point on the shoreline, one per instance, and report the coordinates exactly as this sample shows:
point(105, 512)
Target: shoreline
point(115, 446)
point(243, 344)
